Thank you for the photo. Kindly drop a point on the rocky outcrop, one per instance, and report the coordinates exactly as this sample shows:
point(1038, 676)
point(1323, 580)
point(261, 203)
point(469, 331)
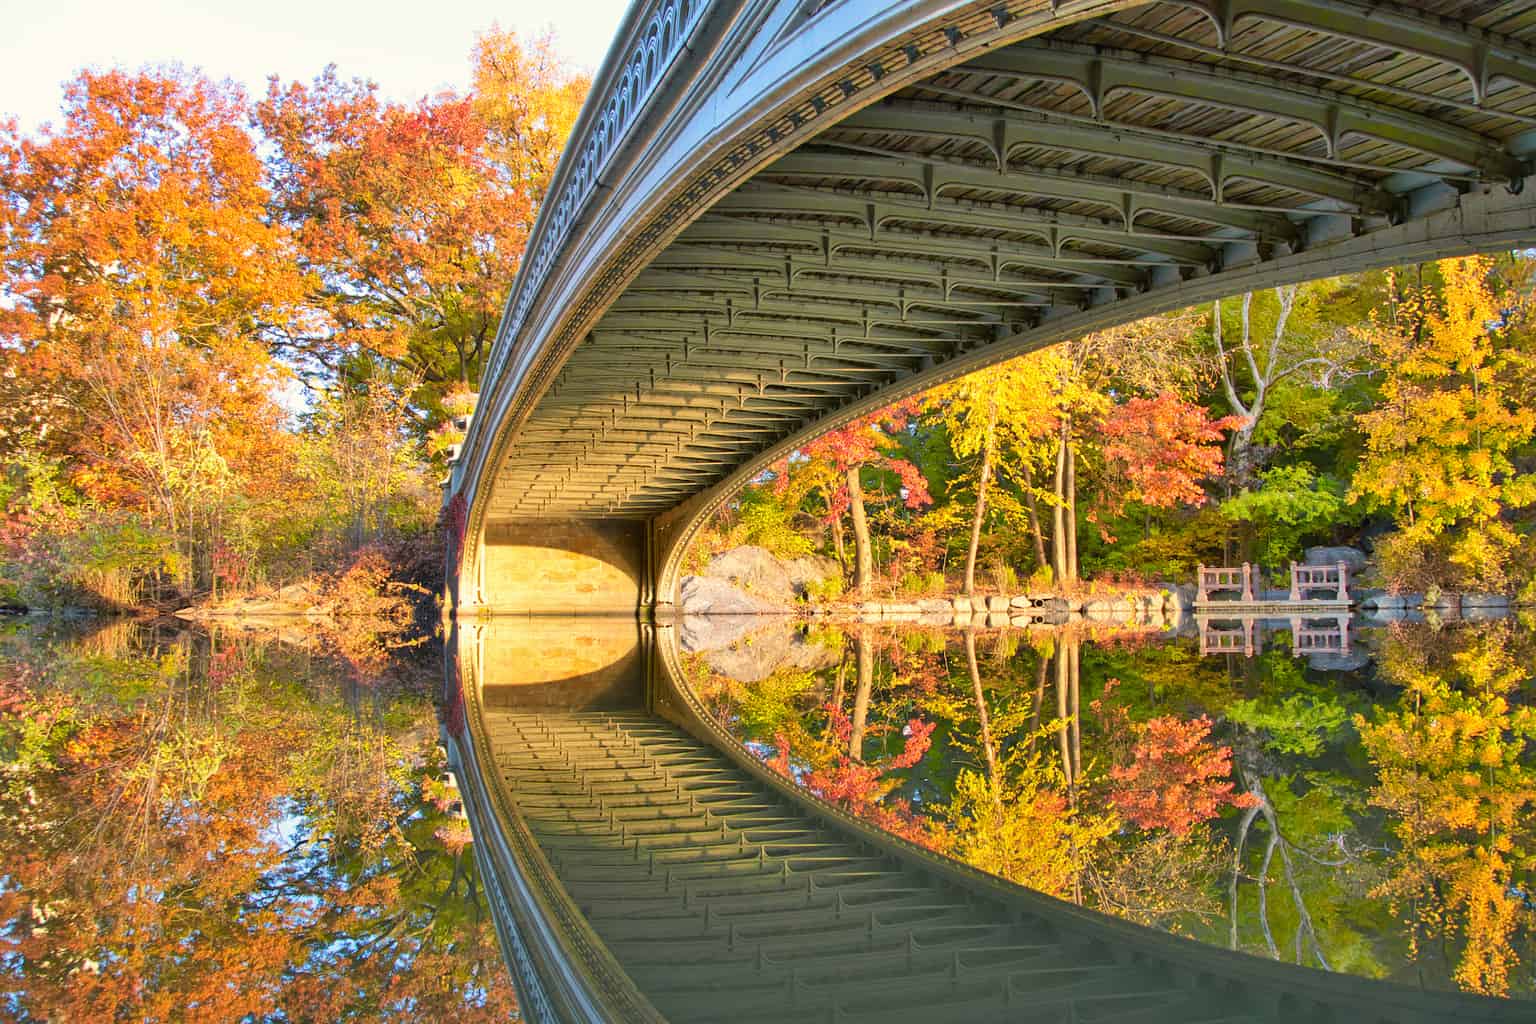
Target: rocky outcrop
point(746, 650)
point(704, 595)
point(762, 574)
point(1352, 557)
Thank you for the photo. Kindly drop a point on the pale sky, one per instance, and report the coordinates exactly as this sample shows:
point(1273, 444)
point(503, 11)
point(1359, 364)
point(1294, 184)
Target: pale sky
point(410, 48)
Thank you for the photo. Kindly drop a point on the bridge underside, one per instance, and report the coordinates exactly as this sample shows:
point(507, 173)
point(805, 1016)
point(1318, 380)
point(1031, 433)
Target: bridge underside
point(1113, 168)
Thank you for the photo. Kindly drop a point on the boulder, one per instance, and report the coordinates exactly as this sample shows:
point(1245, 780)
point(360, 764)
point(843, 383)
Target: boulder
point(1352, 557)
point(1354, 661)
point(754, 570)
point(703, 595)
point(1483, 601)
point(1483, 612)
point(934, 605)
point(1380, 601)
point(763, 651)
point(998, 605)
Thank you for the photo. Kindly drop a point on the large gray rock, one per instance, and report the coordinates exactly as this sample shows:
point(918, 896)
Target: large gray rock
point(1354, 661)
point(703, 595)
point(1483, 601)
point(1352, 557)
point(759, 652)
point(754, 570)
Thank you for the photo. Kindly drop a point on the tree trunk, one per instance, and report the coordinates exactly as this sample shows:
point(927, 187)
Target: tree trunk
point(863, 555)
point(1071, 496)
point(865, 652)
point(987, 749)
point(1035, 532)
point(1059, 510)
point(837, 542)
point(981, 500)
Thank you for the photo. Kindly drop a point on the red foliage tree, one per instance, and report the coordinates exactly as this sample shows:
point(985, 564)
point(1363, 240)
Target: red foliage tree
point(1159, 449)
point(1176, 779)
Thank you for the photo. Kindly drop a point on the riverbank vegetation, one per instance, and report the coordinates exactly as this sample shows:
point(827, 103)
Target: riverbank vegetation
point(235, 332)
point(1391, 410)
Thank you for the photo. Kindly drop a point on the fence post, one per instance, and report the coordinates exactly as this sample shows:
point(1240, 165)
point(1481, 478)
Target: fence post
point(1200, 583)
point(1295, 584)
point(1343, 583)
point(1248, 582)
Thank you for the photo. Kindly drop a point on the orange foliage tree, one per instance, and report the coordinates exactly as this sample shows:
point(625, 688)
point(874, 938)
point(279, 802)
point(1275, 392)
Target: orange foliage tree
point(1176, 778)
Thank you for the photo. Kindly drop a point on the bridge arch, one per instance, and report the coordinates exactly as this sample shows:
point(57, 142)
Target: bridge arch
point(812, 209)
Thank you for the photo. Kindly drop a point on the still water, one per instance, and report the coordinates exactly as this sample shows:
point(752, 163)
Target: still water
point(230, 828)
point(1349, 798)
point(220, 828)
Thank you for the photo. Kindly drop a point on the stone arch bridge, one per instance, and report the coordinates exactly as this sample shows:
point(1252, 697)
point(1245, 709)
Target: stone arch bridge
point(774, 215)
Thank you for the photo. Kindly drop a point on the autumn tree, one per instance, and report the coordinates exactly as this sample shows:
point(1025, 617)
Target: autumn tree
point(1160, 449)
point(413, 218)
point(1441, 444)
point(142, 269)
point(839, 459)
point(1176, 778)
point(1000, 412)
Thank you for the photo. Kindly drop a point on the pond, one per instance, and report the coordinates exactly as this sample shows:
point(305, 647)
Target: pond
point(213, 826)
point(1349, 797)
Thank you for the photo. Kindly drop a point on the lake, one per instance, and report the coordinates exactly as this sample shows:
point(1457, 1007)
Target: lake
point(236, 827)
point(220, 827)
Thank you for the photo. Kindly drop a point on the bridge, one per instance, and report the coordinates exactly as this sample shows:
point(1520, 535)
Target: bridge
point(642, 865)
point(776, 215)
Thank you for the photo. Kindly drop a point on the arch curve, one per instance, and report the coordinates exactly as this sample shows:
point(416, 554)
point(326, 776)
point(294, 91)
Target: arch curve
point(805, 218)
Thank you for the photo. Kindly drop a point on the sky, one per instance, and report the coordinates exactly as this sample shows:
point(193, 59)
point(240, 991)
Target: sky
point(410, 48)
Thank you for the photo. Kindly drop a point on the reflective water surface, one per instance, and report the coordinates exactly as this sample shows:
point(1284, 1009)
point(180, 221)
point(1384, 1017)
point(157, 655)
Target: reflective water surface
point(1348, 797)
point(215, 827)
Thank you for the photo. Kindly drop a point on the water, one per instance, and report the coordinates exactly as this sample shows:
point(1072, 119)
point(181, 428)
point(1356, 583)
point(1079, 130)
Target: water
point(1364, 805)
point(233, 828)
point(226, 828)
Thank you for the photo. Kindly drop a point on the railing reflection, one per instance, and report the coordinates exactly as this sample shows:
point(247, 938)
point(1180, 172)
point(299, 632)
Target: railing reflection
point(1244, 635)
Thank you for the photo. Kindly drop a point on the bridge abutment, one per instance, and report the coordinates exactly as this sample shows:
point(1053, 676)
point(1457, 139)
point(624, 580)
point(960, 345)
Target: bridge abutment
point(557, 566)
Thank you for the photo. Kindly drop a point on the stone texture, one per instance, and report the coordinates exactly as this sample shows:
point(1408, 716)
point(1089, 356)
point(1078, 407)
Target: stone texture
point(807, 570)
point(1352, 557)
point(562, 565)
point(997, 604)
point(701, 595)
point(1483, 601)
point(760, 651)
point(1354, 661)
point(754, 570)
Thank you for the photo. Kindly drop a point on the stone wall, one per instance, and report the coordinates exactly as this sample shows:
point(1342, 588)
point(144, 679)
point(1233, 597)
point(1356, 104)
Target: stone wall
point(562, 567)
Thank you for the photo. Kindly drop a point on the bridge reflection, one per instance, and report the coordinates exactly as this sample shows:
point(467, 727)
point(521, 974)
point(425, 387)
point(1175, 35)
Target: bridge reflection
point(643, 865)
point(1244, 635)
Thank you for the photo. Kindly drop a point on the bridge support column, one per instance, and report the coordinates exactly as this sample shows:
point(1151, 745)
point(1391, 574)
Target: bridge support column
point(558, 567)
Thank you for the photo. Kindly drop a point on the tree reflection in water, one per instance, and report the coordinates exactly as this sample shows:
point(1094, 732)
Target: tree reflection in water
point(1373, 816)
point(225, 828)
